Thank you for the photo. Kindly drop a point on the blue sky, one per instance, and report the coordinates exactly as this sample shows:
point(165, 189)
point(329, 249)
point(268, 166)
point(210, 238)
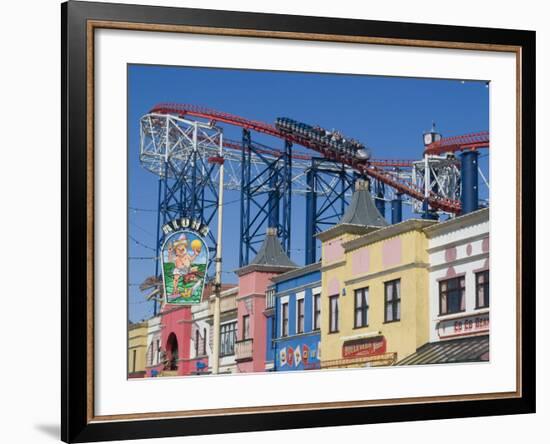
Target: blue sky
point(389, 114)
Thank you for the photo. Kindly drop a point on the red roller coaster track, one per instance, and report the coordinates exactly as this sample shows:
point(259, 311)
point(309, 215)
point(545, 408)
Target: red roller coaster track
point(372, 169)
point(465, 142)
point(382, 163)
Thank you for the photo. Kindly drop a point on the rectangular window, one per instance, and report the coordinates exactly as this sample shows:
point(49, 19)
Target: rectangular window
point(300, 315)
point(392, 290)
point(451, 295)
point(284, 319)
point(316, 311)
point(158, 351)
point(197, 341)
point(361, 307)
point(333, 314)
point(228, 336)
point(273, 331)
point(133, 361)
point(204, 341)
point(246, 326)
point(482, 289)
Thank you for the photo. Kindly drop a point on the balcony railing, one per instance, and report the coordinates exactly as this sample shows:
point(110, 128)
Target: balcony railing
point(243, 350)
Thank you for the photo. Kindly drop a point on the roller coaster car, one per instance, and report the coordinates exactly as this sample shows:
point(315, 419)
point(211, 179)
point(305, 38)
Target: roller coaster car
point(363, 154)
point(336, 141)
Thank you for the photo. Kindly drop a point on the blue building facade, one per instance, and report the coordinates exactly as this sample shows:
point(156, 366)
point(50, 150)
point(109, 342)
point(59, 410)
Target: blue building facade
point(293, 311)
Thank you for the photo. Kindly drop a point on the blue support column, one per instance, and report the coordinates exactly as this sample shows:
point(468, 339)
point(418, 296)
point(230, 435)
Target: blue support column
point(274, 198)
point(468, 176)
point(380, 204)
point(187, 190)
point(160, 239)
point(397, 209)
point(325, 207)
point(262, 191)
point(245, 198)
point(285, 226)
point(311, 211)
point(377, 190)
point(427, 213)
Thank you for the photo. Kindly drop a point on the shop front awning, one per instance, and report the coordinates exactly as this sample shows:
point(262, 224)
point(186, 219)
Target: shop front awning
point(472, 349)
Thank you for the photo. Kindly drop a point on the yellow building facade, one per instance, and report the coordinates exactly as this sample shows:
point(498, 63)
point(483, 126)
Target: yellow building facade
point(375, 304)
point(137, 349)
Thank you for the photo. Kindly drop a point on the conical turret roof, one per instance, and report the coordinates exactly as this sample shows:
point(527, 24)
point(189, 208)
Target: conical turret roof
point(270, 257)
point(362, 209)
point(360, 217)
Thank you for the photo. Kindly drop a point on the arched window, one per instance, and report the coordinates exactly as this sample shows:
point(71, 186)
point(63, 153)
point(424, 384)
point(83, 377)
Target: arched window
point(172, 352)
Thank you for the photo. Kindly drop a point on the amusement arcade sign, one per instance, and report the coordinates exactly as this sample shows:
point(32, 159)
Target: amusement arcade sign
point(184, 261)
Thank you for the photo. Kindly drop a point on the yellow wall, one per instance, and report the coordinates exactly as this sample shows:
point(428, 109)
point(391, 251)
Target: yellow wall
point(403, 337)
point(137, 340)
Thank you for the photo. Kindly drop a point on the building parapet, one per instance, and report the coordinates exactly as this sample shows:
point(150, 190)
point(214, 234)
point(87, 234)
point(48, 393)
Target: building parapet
point(297, 272)
point(387, 232)
point(339, 229)
point(457, 223)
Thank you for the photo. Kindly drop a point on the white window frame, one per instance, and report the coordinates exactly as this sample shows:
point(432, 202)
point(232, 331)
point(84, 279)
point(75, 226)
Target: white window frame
point(283, 300)
point(316, 291)
point(299, 297)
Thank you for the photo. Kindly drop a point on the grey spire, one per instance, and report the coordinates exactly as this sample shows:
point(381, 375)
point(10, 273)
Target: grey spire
point(272, 253)
point(362, 210)
point(270, 258)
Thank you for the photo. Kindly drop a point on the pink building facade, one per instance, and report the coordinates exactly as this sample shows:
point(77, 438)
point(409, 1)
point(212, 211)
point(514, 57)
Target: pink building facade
point(185, 340)
point(271, 260)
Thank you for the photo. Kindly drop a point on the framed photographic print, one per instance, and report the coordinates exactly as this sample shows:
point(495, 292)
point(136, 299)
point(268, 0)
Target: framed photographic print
point(277, 221)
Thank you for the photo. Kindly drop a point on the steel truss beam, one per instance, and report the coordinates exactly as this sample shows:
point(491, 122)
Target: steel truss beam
point(263, 189)
point(178, 151)
point(330, 187)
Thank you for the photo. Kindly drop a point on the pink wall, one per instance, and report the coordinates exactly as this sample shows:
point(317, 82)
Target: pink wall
point(360, 261)
point(391, 252)
point(178, 321)
point(253, 285)
point(333, 287)
point(334, 250)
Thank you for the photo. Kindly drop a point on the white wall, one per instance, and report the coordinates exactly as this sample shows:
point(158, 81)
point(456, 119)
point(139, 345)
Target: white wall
point(463, 264)
point(153, 335)
point(30, 74)
point(200, 322)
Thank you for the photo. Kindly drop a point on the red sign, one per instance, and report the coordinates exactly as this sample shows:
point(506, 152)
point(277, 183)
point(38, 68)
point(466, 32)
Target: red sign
point(364, 347)
point(464, 326)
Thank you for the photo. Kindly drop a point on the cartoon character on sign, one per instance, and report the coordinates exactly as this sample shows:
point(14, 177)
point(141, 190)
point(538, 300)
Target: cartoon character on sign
point(297, 356)
point(282, 357)
point(305, 354)
point(290, 356)
point(185, 260)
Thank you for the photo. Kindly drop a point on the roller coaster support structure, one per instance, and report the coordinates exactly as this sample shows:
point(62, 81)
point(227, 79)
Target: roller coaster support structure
point(397, 209)
point(263, 189)
point(179, 152)
point(379, 191)
point(324, 209)
point(468, 175)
